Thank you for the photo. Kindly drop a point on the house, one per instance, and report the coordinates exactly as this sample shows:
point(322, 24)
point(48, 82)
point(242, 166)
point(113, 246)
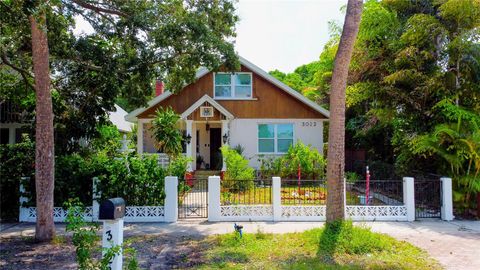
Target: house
point(249, 108)
point(14, 122)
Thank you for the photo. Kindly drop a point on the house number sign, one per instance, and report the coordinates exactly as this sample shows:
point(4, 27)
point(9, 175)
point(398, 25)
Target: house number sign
point(309, 124)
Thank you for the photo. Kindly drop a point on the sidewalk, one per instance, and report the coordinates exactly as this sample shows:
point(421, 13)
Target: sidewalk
point(456, 245)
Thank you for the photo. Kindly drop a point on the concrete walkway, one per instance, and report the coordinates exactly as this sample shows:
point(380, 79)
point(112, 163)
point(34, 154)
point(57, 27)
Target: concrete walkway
point(456, 245)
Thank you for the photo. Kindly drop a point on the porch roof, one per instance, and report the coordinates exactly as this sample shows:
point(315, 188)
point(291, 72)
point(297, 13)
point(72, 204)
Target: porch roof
point(209, 100)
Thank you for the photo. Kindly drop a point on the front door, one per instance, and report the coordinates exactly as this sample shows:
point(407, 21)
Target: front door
point(215, 144)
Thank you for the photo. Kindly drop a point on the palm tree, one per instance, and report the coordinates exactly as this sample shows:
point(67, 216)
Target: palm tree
point(44, 148)
point(336, 131)
point(166, 133)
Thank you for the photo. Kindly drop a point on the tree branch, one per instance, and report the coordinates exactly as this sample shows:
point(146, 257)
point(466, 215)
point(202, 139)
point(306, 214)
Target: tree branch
point(99, 10)
point(24, 73)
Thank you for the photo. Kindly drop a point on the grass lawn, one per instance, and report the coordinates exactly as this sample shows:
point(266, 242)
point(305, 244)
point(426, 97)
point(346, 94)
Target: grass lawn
point(337, 247)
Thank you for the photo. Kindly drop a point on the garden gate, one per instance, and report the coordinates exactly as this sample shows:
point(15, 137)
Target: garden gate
point(428, 198)
point(193, 198)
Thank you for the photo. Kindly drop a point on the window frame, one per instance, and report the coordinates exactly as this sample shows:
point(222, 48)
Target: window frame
point(232, 86)
point(275, 138)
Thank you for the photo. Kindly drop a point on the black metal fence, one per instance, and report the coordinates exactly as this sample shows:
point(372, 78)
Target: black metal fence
point(246, 192)
point(193, 198)
point(381, 192)
point(428, 198)
point(307, 192)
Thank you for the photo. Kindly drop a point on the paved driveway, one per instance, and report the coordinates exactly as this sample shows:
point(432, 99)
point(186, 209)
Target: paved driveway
point(456, 245)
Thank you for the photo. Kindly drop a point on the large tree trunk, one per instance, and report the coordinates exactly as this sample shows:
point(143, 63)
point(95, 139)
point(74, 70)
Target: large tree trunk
point(336, 131)
point(44, 151)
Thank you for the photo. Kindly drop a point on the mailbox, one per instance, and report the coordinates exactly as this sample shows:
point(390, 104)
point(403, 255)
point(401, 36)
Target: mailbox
point(112, 209)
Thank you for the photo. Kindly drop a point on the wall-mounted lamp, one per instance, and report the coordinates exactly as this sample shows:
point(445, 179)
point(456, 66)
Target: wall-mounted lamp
point(188, 138)
point(207, 127)
point(225, 138)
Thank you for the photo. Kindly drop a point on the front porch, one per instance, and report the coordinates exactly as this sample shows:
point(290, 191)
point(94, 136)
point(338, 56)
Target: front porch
point(205, 127)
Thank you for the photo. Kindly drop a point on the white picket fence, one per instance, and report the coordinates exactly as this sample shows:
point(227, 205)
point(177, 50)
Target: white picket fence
point(265, 212)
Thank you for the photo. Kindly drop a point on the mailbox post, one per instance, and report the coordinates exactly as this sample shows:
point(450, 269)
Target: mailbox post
point(111, 213)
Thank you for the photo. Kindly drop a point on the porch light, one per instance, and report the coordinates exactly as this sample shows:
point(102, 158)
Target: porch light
point(188, 138)
point(207, 127)
point(225, 138)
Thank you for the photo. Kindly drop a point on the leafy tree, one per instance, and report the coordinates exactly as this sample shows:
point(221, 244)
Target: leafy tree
point(132, 44)
point(166, 133)
point(336, 131)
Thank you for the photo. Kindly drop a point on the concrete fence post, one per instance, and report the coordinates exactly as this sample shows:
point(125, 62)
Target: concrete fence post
point(171, 199)
point(214, 198)
point(96, 195)
point(276, 198)
point(447, 200)
point(22, 214)
point(409, 197)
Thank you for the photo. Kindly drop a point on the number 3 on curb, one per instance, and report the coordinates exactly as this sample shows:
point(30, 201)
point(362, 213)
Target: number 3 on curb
point(109, 235)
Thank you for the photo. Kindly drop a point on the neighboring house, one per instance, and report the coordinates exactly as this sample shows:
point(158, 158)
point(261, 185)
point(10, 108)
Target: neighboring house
point(249, 108)
point(14, 122)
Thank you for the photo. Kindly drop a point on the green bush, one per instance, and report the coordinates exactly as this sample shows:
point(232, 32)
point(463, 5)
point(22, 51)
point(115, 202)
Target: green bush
point(137, 179)
point(312, 163)
point(16, 161)
point(237, 169)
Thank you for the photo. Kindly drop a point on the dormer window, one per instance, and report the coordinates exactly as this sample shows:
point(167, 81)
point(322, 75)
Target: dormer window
point(233, 85)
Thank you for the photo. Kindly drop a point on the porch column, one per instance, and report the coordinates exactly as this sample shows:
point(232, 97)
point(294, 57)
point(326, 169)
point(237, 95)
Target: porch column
point(140, 136)
point(225, 131)
point(189, 145)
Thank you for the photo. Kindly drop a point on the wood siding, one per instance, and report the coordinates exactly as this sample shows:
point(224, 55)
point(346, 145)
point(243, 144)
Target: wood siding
point(268, 101)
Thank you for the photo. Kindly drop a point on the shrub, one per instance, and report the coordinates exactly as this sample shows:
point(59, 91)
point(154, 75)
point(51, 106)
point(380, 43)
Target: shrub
point(85, 240)
point(166, 133)
point(312, 163)
point(237, 169)
point(137, 179)
point(16, 161)
point(352, 177)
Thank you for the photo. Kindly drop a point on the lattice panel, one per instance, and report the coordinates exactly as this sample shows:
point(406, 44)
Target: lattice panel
point(385, 212)
point(144, 213)
point(246, 211)
point(303, 211)
point(59, 214)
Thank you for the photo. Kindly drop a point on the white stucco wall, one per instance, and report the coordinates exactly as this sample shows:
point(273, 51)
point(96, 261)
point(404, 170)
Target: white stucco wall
point(245, 133)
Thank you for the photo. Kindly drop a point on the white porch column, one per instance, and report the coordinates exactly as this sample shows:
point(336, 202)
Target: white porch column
point(139, 136)
point(225, 130)
point(409, 197)
point(214, 198)
point(171, 199)
point(189, 125)
point(447, 200)
point(276, 198)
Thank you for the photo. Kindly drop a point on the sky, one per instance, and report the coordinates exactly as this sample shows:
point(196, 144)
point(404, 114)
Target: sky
point(279, 34)
point(284, 34)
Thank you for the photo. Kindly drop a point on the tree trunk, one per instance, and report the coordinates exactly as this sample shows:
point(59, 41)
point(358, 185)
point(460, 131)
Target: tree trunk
point(44, 148)
point(336, 131)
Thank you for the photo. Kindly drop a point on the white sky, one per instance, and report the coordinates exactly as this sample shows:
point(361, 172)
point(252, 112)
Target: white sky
point(280, 34)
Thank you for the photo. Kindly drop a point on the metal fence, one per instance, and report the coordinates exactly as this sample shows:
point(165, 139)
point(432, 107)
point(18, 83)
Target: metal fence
point(304, 192)
point(381, 192)
point(247, 192)
point(428, 198)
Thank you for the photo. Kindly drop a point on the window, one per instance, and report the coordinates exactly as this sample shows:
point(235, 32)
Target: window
point(233, 85)
point(274, 138)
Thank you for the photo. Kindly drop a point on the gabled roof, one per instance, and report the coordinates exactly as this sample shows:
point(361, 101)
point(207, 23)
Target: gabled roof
point(204, 71)
point(211, 101)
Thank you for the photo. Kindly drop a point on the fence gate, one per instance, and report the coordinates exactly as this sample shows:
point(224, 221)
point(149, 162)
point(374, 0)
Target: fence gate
point(193, 198)
point(428, 198)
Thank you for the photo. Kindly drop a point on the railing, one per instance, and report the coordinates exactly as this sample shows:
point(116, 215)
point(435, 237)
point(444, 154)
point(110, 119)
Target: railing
point(304, 192)
point(246, 192)
point(381, 192)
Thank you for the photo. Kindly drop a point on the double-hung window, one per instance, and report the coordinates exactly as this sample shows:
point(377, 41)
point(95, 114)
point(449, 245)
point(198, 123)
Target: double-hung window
point(233, 85)
point(274, 138)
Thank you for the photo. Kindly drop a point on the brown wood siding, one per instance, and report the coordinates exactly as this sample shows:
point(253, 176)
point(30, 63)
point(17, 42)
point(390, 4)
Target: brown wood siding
point(269, 101)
